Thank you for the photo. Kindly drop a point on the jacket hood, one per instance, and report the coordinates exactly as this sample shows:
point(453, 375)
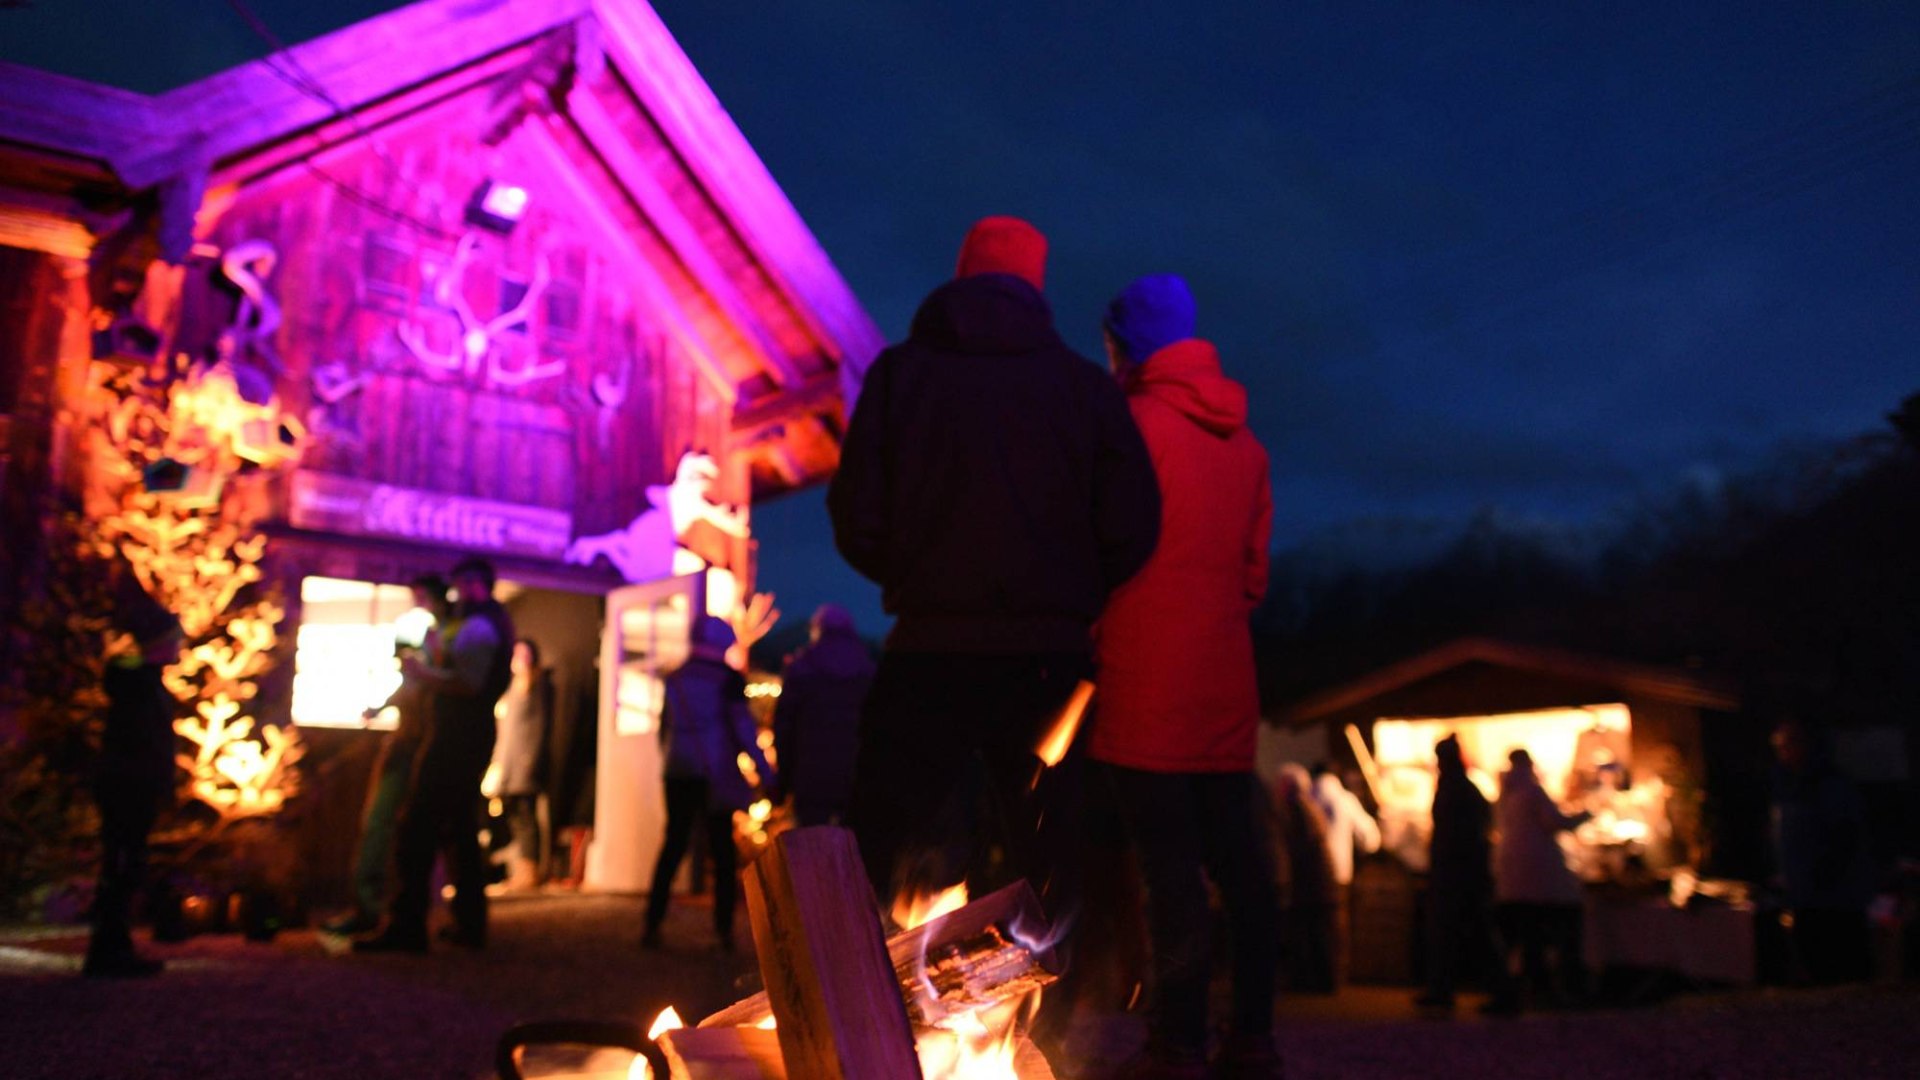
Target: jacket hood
point(985, 313)
point(1186, 376)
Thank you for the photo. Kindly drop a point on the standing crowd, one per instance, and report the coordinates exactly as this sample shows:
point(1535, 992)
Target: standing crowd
point(1035, 524)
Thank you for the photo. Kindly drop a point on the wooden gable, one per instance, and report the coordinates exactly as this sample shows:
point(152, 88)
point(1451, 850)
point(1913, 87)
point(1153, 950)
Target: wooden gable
point(675, 301)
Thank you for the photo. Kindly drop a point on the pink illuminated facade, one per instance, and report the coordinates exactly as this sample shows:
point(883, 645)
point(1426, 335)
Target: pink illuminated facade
point(655, 294)
point(506, 271)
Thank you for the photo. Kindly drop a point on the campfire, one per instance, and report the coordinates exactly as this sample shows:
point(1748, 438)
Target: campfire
point(946, 998)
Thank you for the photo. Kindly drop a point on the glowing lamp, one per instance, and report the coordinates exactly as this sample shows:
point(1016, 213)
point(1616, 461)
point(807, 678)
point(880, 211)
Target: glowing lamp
point(497, 207)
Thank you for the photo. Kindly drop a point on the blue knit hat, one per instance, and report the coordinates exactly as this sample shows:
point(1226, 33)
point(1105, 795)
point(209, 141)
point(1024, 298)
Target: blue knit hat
point(1151, 314)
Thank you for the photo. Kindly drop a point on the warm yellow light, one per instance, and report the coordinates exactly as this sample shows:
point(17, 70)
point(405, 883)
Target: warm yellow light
point(196, 551)
point(1059, 737)
point(667, 1020)
point(917, 909)
point(1550, 736)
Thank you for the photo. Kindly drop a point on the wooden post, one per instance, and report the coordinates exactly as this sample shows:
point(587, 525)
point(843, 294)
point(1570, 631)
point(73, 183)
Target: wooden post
point(830, 981)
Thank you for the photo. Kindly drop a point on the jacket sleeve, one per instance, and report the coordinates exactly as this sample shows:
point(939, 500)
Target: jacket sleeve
point(746, 738)
point(786, 711)
point(857, 497)
point(1259, 536)
point(1366, 831)
point(1126, 496)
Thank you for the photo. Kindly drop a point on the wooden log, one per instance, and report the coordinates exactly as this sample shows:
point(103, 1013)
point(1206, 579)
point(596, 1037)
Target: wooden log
point(723, 1053)
point(975, 957)
point(830, 983)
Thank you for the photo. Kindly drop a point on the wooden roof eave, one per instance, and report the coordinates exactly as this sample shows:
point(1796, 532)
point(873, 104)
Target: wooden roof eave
point(1632, 679)
point(599, 132)
point(679, 100)
point(250, 106)
point(549, 155)
point(71, 117)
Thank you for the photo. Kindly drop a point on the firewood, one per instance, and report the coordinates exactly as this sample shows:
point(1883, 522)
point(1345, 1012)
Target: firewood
point(830, 984)
point(723, 1053)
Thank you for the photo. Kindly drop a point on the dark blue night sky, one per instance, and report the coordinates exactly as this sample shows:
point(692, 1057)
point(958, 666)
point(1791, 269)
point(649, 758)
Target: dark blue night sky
point(1535, 257)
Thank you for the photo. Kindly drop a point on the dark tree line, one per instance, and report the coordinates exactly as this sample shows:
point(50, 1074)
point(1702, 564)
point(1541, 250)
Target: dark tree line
point(1800, 579)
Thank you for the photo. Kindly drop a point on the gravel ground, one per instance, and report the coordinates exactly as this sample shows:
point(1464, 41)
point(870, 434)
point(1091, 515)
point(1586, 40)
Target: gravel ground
point(226, 1008)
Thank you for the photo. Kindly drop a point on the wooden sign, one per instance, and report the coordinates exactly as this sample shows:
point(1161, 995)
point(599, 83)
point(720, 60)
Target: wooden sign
point(321, 502)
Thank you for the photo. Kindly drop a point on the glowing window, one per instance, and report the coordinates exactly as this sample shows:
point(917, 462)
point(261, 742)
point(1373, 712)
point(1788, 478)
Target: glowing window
point(1553, 736)
point(344, 659)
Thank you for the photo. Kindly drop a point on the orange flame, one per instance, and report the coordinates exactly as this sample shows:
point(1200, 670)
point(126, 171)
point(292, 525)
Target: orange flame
point(1053, 745)
point(978, 1045)
point(912, 910)
point(667, 1020)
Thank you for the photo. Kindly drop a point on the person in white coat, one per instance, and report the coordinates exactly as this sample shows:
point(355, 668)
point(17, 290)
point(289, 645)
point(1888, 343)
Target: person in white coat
point(1541, 905)
point(1350, 831)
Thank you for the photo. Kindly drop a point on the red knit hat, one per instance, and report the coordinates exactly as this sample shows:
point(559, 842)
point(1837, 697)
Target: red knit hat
point(1004, 245)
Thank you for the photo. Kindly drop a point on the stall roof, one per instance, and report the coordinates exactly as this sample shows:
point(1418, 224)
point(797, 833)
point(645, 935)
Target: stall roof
point(1627, 678)
point(75, 151)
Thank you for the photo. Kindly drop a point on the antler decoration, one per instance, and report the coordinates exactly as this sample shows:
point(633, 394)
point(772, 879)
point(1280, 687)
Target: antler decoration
point(473, 353)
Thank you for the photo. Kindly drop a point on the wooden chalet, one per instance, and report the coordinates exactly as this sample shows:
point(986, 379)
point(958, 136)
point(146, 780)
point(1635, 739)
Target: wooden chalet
point(1478, 677)
point(504, 265)
point(1638, 745)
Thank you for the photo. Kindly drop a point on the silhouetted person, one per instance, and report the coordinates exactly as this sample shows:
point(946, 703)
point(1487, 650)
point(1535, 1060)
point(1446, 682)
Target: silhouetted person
point(1541, 904)
point(1178, 706)
point(816, 723)
point(705, 726)
point(441, 814)
point(133, 775)
point(526, 711)
point(994, 485)
point(1460, 889)
point(1824, 859)
point(393, 768)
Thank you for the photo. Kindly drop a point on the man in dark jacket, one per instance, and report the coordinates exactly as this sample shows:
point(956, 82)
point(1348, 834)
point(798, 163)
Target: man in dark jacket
point(993, 483)
point(705, 726)
point(442, 812)
point(133, 776)
point(817, 720)
point(1460, 889)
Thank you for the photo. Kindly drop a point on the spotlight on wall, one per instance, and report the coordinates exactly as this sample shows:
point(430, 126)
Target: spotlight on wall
point(497, 207)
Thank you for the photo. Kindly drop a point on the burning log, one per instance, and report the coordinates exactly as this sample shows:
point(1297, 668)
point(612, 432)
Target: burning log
point(959, 962)
point(941, 999)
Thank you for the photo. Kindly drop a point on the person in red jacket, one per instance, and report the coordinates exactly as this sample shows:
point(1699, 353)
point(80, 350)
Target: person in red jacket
point(1178, 703)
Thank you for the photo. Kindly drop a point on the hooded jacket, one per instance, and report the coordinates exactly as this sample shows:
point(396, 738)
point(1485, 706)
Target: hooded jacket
point(1177, 690)
point(991, 481)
